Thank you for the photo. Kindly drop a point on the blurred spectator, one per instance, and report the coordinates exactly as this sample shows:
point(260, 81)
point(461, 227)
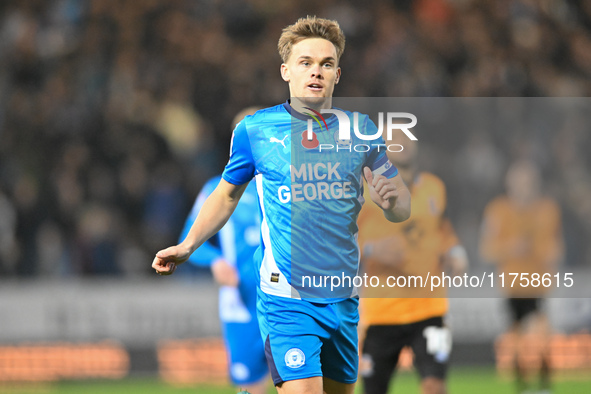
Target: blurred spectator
point(96, 241)
point(53, 251)
point(7, 235)
point(177, 121)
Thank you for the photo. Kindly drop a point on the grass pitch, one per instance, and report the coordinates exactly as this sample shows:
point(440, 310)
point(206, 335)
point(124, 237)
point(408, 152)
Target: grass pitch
point(462, 380)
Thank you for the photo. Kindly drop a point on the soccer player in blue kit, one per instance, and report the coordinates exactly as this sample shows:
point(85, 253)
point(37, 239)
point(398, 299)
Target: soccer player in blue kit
point(309, 201)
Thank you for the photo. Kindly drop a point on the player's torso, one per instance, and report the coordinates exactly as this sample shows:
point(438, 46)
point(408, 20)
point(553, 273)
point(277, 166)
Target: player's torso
point(310, 198)
point(420, 236)
point(526, 226)
point(517, 221)
point(296, 169)
point(422, 231)
point(421, 247)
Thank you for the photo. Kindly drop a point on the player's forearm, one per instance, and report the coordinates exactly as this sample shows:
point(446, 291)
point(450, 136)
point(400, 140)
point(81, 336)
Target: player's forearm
point(214, 213)
point(401, 210)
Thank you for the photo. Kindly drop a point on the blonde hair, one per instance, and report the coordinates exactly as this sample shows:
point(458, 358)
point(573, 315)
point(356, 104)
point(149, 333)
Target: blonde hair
point(311, 27)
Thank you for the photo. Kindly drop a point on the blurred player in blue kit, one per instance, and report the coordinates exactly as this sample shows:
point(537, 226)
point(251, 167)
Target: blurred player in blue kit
point(230, 255)
point(309, 202)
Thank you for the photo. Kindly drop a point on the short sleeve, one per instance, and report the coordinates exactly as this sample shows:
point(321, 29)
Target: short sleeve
point(240, 168)
point(377, 160)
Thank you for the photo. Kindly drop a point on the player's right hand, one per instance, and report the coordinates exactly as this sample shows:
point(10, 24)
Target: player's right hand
point(382, 190)
point(167, 259)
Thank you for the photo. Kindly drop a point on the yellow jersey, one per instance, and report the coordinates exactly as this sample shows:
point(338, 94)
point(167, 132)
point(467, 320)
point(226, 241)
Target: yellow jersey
point(421, 241)
point(522, 239)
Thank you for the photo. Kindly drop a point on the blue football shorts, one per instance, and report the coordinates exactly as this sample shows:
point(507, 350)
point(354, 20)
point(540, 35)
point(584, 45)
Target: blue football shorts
point(305, 339)
point(246, 354)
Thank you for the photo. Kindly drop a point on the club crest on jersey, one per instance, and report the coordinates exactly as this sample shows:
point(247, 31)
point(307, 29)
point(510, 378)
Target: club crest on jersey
point(341, 143)
point(432, 206)
point(294, 358)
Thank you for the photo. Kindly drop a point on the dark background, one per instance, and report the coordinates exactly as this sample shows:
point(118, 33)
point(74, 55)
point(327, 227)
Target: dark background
point(114, 112)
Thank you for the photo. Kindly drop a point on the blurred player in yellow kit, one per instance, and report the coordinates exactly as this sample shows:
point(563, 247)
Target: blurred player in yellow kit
point(397, 318)
point(521, 234)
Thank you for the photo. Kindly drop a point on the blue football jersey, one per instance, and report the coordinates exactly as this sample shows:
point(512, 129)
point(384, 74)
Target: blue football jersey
point(236, 243)
point(309, 197)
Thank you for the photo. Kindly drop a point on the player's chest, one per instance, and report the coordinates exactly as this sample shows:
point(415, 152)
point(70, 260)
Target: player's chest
point(279, 151)
point(521, 223)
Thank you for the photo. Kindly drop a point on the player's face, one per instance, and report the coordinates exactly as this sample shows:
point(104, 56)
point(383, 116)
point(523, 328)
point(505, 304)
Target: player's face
point(312, 69)
point(523, 182)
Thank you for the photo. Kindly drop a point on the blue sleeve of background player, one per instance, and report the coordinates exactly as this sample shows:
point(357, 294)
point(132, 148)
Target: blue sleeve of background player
point(377, 160)
point(240, 168)
point(207, 253)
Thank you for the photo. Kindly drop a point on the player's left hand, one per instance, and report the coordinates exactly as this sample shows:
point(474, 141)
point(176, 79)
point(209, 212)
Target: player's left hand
point(383, 192)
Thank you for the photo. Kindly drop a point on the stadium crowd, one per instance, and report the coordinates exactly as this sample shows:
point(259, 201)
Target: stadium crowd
point(114, 112)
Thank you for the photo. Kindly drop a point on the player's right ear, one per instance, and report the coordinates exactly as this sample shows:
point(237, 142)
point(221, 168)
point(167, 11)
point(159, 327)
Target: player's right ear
point(285, 72)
